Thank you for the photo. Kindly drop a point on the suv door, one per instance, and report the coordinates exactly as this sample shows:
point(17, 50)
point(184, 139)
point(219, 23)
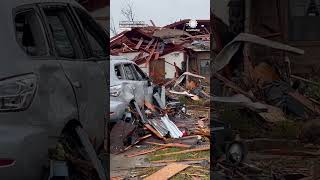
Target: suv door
point(145, 81)
point(131, 77)
point(83, 72)
point(38, 127)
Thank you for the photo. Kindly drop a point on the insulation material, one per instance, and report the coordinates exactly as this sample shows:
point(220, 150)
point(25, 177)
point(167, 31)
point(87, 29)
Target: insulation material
point(173, 129)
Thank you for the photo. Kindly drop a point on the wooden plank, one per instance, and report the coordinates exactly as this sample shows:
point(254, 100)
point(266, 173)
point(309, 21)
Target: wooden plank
point(146, 151)
point(185, 151)
point(150, 128)
point(233, 86)
point(139, 43)
point(150, 106)
point(176, 160)
point(273, 115)
point(149, 44)
point(305, 101)
point(167, 172)
point(305, 80)
point(149, 57)
point(138, 140)
point(170, 145)
point(157, 55)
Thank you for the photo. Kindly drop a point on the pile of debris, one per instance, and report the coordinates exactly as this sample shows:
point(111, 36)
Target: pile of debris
point(156, 117)
point(189, 85)
point(167, 129)
point(267, 88)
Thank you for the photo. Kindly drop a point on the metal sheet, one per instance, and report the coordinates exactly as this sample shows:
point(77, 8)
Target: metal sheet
point(241, 100)
point(225, 55)
point(180, 79)
point(159, 126)
point(158, 99)
point(173, 129)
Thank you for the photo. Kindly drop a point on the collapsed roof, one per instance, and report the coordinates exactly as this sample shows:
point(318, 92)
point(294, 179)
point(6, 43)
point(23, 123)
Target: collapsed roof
point(153, 42)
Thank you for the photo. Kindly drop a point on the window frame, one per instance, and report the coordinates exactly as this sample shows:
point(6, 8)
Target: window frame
point(131, 69)
point(139, 71)
point(33, 7)
point(121, 71)
point(74, 25)
point(88, 47)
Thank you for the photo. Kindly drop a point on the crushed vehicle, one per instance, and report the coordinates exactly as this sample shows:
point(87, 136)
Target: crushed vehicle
point(128, 84)
point(52, 91)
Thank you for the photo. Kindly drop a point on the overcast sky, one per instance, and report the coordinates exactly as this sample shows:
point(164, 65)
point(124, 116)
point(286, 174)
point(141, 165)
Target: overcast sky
point(162, 12)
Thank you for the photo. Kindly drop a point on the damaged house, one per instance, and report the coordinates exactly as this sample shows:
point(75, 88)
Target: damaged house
point(269, 60)
point(166, 52)
point(293, 22)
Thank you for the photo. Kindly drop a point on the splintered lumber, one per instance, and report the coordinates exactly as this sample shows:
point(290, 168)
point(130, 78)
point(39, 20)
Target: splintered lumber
point(202, 132)
point(167, 172)
point(190, 137)
point(185, 151)
point(176, 160)
point(305, 101)
point(305, 80)
point(273, 115)
point(116, 178)
point(149, 44)
point(146, 152)
point(147, 165)
point(198, 175)
point(233, 86)
point(138, 140)
point(150, 128)
point(139, 43)
point(150, 106)
point(171, 145)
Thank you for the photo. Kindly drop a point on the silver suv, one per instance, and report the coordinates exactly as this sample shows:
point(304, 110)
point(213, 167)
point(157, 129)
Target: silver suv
point(52, 83)
point(128, 83)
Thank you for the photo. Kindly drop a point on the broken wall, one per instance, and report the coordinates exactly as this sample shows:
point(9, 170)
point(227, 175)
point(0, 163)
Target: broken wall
point(274, 23)
point(197, 63)
point(174, 57)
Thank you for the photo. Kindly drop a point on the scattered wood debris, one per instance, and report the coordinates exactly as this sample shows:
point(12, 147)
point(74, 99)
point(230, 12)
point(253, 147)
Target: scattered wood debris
point(146, 151)
point(185, 151)
point(170, 145)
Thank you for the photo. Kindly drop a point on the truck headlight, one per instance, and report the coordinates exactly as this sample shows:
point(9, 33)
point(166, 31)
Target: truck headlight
point(115, 91)
point(17, 93)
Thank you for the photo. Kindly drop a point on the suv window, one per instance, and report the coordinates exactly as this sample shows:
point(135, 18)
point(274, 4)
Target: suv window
point(29, 33)
point(117, 70)
point(129, 71)
point(97, 40)
point(64, 36)
point(140, 73)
